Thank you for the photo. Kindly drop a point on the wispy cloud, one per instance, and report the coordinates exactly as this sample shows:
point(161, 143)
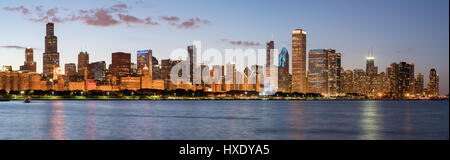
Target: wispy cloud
point(241, 43)
point(102, 17)
point(16, 47)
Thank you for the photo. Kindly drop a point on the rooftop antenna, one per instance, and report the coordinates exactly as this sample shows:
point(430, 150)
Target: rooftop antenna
point(272, 36)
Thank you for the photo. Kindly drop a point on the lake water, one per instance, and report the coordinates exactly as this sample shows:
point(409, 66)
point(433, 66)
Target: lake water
point(228, 119)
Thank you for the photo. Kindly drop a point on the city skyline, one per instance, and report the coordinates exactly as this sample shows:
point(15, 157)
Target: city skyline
point(351, 59)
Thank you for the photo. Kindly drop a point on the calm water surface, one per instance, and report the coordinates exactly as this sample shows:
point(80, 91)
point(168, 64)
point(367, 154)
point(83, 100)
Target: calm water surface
point(224, 120)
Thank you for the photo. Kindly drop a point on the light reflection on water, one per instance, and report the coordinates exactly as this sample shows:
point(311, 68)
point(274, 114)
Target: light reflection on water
point(57, 120)
point(370, 121)
point(224, 120)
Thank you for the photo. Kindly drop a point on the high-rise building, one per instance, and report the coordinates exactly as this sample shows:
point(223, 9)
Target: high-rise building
point(192, 52)
point(121, 64)
point(318, 71)
point(371, 69)
point(392, 72)
point(419, 85)
point(299, 61)
point(361, 82)
point(406, 78)
point(401, 78)
point(433, 84)
point(83, 62)
point(334, 72)
point(324, 71)
point(144, 58)
point(230, 76)
point(70, 69)
point(347, 80)
point(283, 70)
point(29, 64)
point(51, 55)
point(97, 71)
point(270, 46)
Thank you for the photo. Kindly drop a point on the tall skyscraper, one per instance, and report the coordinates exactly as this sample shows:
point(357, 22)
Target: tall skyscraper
point(121, 64)
point(51, 55)
point(318, 71)
point(401, 78)
point(419, 84)
point(29, 64)
point(270, 46)
point(83, 62)
point(371, 69)
point(192, 51)
point(324, 71)
point(144, 58)
point(433, 84)
point(334, 72)
point(283, 71)
point(299, 61)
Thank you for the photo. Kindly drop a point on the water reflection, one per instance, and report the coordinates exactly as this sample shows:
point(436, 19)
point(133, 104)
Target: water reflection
point(91, 121)
point(296, 120)
point(57, 120)
point(369, 123)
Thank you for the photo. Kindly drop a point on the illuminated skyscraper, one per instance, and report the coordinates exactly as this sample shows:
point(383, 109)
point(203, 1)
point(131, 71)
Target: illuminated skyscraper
point(318, 71)
point(401, 78)
point(29, 65)
point(299, 61)
point(51, 55)
point(270, 46)
point(283, 71)
point(83, 62)
point(144, 58)
point(419, 84)
point(347, 81)
point(324, 71)
point(433, 84)
point(192, 51)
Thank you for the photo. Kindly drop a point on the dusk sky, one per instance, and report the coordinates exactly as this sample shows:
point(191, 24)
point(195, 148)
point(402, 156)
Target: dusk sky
point(402, 30)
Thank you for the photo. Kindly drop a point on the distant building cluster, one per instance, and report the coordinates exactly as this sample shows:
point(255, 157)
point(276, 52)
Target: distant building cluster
point(318, 72)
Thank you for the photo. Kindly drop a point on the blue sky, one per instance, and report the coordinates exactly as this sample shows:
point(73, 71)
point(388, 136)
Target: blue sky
point(403, 30)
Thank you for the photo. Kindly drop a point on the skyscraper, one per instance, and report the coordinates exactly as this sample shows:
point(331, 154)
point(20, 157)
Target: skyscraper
point(299, 61)
point(324, 71)
point(318, 71)
point(29, 65)
point(97, 70)
point(283, 70)
point(401, 78)
point(51, 55)
point(70, 69)
point(419, 84)
point(83, 62)
point(348, 82)
point(144, 58)
point(433, 84)
point(121, 64)
point(270, 46)
point(192, 51)
point(334, 72)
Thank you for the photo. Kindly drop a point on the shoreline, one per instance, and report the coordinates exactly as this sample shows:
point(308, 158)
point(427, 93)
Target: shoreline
point(217, 99)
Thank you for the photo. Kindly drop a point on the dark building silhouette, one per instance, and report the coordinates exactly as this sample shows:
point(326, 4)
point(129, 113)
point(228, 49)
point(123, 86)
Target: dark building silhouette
point(83, 62)
point(29, 64)
point(51, 55)
point(121, 64)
